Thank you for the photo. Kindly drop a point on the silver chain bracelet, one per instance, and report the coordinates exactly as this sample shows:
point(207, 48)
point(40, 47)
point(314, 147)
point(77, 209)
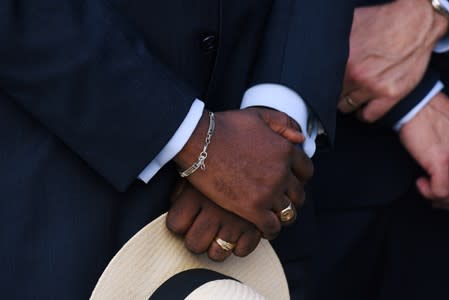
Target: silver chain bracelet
point(203, 155)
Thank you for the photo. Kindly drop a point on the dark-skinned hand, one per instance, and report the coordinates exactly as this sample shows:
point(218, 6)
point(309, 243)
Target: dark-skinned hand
point(252, 169)
point(200, 221)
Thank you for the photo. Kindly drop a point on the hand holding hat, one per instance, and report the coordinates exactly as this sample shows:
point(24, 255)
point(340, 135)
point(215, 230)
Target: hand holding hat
point(155, 265)
point(208, 228)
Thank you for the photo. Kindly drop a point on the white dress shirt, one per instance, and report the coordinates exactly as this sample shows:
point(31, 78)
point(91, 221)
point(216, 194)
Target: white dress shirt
point(274, 96)
point(269, 95)
point(177, 141)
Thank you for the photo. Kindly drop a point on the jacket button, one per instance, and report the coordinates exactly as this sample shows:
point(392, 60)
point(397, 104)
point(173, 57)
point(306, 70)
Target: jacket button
point(209, 43)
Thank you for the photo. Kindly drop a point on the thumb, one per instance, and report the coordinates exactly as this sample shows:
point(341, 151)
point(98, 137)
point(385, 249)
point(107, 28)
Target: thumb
point(423, 185)
point(283, 125)
point(292, 135)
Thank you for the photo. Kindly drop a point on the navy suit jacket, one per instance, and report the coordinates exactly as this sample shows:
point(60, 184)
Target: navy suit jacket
point(367, 170)
point(363, 152)
point(91, 90)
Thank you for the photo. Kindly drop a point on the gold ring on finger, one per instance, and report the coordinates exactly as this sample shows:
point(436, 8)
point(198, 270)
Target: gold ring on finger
point(350, 102)
point(226, 246)
point(287, 214)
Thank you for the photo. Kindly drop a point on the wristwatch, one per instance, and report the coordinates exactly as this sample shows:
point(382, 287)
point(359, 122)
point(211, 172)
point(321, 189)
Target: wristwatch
point(442, 6)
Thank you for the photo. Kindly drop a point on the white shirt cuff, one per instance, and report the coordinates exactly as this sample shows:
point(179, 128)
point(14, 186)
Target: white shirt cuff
point(285, 100)
point(443, 45)
point(410, 115)
point(176, 143)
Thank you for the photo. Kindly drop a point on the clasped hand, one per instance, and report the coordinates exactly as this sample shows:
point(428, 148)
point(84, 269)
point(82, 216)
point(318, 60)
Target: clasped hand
point(253, 171)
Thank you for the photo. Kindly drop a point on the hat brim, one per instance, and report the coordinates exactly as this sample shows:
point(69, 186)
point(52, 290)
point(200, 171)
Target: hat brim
point(154, 255)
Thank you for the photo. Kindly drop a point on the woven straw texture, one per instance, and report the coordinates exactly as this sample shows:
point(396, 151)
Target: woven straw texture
point(154, 255)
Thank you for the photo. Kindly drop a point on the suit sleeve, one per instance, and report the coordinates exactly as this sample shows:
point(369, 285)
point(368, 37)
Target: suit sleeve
point(295, 53)
point(85, 74)
point(362, 3)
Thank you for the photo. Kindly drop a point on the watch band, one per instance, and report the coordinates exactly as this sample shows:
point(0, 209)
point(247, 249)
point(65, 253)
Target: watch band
point(441, 6)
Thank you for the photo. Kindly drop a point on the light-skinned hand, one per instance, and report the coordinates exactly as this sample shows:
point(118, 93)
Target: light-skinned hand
point(390, 49)
point(426, 137)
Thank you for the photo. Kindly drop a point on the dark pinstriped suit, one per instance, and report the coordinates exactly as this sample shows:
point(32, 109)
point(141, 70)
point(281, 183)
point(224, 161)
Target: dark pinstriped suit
point(90, 91)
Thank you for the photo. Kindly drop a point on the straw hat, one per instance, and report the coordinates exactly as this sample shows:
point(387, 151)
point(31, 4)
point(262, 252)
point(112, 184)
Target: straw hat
point(154, 264)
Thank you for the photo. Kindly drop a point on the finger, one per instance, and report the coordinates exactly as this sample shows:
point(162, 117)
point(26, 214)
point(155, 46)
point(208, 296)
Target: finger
point(228, 233)
point(281, 204)
point(183, 211)
point(302, 166)
point(269, 225)
point(291, 135)
point(393, 84)
point(348, 84)
point(357, 72)
point(439, 182)
point(247, 242)
point(354, 100)
point(423, 185)
point(295, 191)
point(201, 233)
point(285, 204)
point(375, 109)
point(283, 125)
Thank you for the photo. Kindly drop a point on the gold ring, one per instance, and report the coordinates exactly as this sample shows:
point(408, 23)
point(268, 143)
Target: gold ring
point(226, 246)
point(287, 214)
point(350, 101)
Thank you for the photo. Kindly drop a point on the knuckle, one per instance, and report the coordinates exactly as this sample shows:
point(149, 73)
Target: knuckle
point(259, 196)
point(174, 225)
point(193, 247)
point(369, 116)
point(267, 194)
point(243, 251)
point(216, 254)
point(373, 85)
point(217, 258)
point(297, 195)
point(248, 242)
point(271, 229)
point(285, 148)
point(390, 91)
point(356, 72)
